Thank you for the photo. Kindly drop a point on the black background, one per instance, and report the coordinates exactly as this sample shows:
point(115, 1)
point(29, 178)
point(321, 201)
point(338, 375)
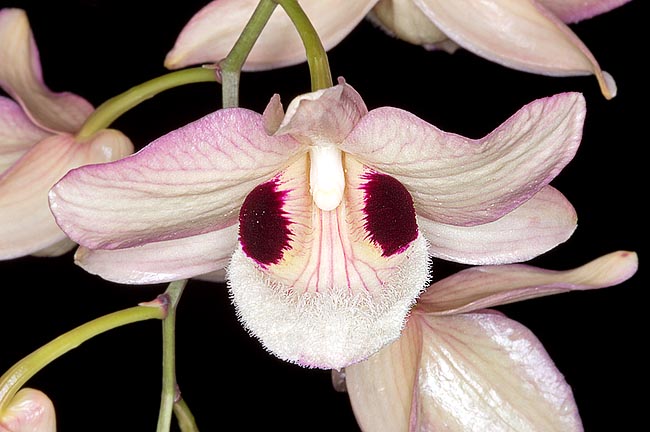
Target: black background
point(100, 48)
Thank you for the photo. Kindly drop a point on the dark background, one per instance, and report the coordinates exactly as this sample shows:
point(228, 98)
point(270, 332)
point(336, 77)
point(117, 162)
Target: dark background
point(100, 48)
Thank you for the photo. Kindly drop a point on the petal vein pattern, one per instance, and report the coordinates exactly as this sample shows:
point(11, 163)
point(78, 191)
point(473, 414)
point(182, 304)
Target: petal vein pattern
point(466, 182)
point(334, 291)
point(216, 160)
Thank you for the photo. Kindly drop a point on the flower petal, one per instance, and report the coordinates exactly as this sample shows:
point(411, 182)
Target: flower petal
point(29, 411)
point(21, 77)
point(327, 288)
point(483, 372)
point(404, 20)
point(212, 32)
point(323, 117)
point(26, 223)
point(572, 11)
point(535, 227)
point(381, 387)
point(163, 261)
point(487, 286)
point(17, 133)
point(460, 181)
point(189, 182)
point(518, 34)
point(476, 372)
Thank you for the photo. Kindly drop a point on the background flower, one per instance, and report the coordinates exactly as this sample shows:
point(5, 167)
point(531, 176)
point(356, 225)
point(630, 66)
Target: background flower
point(37, 143)
point(525, 35)
point(597, 182)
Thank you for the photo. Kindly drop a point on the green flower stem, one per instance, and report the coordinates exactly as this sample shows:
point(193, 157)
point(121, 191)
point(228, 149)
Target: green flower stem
point(321, 76)
point(114, 107)
point(14, 378)
point(184, 417)
point(232, 64)
point(169, 389)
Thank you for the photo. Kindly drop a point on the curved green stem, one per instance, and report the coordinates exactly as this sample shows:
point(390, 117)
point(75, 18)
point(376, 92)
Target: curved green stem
point(321, 76)
point(184, 417)
point(232, 64)
point(169, 389)
point(14, 378)
point(114, 107)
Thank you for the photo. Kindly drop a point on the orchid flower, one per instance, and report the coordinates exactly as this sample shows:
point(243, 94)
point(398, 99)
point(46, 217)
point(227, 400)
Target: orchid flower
point(527, 35)
point(459, 366)
point(29, 411)
point(325, 218)
point(37, 144)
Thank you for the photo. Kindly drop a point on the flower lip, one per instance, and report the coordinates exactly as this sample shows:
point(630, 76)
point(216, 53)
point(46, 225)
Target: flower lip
point(263, 224)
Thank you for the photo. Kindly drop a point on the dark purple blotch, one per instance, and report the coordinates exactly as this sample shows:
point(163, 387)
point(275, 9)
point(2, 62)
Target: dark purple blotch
point(263, 224)
point(389, 213)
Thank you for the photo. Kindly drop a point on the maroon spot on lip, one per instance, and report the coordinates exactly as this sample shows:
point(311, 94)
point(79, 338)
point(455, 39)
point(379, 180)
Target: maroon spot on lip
point(263, 224)
point(390, 215)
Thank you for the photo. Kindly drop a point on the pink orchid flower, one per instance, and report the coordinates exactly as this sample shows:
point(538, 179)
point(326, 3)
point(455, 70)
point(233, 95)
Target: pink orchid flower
point(326, 217)
point(459, 366)
point(527, 35)
point(37, 145)
point(29, 411)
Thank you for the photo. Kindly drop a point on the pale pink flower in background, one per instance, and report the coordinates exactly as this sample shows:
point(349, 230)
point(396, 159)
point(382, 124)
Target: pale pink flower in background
point(527, 35)
point(324, 217)
point(29, 411)
point(37, 145)
point(458, 366)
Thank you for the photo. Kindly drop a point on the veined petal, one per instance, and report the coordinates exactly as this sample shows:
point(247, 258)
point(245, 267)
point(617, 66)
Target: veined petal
point(537, 226)
point(481, 287)
point(21, 77)
point(327, 288)
point(484, 372)
point(17, 133)
point(572, 11)
point(465, 182)
point(212, 32)
point(26, 223)
point(518, 34)
point(324, 117)
point(163, 261)
point(189, 182)
point(29, 411)
point(381, 387)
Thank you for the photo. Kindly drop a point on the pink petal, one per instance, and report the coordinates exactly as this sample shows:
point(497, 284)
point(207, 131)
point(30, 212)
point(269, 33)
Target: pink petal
point(29, 411)
point(163, 261)
point(465, 182)
point(518, 34)
point(189, 182)
point(21, 77)
point(484, 371)
point(26, 223)
point(572, 11)
point(481, 287)
point(325, 116)
point(475, 372)
point(538, 225)
point(17, 133)
point(212, 32)
point(327, 288)
point(381, 387)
